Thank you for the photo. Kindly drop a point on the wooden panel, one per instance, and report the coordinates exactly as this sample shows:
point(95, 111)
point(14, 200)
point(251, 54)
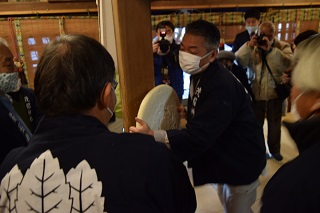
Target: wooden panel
point(32, 8)
point(229, 32)
point(35, 34)
point(134, 51)
point(207, 4)
point(85, 26)
point(309, 25)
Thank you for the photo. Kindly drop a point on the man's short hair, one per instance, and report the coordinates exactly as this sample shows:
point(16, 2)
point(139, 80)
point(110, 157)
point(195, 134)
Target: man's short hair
point(207, 30)
point(164, 24)
point(304, 35)
point(252, 13)
point(71, 74)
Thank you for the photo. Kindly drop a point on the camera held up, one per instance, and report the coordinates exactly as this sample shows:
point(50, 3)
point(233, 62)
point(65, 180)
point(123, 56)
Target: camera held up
point(260, 40)
point(164, 44)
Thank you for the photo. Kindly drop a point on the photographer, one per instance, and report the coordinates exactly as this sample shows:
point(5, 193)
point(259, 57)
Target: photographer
point(166, 62)
point(261, 51)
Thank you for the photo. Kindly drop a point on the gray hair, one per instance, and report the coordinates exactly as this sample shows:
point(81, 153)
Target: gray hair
point(306, 73)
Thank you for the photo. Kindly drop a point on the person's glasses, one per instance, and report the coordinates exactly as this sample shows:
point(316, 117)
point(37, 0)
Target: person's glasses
point(114, 84)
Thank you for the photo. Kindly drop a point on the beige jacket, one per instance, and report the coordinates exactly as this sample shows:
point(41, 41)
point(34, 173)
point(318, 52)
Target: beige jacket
point(278, 59)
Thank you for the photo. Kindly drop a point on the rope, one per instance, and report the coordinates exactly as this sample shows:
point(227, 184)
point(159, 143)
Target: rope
point(13, 39)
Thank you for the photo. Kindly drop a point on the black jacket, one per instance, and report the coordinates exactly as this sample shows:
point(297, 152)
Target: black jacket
point(240, 39)
point(11, 136)
point(222, 141)
point(31, 109)
point(295, 186)
point(76, 158)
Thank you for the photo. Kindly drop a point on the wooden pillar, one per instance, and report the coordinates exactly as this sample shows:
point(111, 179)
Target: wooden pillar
point(132, 22)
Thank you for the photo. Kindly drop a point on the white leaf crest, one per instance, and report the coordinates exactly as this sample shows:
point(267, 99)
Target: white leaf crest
point(43, 188)
point(85, 189)
point(8, 190)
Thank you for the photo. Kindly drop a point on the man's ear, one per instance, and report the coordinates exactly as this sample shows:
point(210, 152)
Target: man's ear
point(213, 56)
point(105, 93)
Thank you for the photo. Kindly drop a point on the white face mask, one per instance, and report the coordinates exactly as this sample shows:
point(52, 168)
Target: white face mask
point(8, 82)
point(169, 38)
point(251, 29)
point(190, 63)
point(114, 107)
point(18, 86)
point(294, 111)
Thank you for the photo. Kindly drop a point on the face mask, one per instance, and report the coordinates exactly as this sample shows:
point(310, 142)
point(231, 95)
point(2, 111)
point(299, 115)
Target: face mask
point(251, 29)
point(18, 86)
point(189, 63)
point(110, 111)
point(294, 110)
point(114, 107)
point(8, 82)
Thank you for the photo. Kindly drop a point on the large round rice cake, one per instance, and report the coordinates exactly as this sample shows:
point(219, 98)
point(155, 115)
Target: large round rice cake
point(159, 108)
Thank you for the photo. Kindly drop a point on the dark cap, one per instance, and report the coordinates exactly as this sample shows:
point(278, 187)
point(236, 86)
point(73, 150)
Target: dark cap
point(164, 24)
point(252, 13)
point(226, 55)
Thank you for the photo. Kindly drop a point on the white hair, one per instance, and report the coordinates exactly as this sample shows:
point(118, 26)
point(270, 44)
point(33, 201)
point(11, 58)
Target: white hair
point(306, 73)
point(3, 42)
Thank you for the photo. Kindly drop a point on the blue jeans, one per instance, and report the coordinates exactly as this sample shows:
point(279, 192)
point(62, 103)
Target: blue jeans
point(272, 110)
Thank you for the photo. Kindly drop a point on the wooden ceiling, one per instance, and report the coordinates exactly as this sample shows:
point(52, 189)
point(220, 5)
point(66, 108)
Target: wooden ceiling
point(207, 4)
point(31, 7)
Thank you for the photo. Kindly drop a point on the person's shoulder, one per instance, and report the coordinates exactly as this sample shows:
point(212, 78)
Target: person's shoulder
point(27, 91)
point(242, 34)
point(10, 160)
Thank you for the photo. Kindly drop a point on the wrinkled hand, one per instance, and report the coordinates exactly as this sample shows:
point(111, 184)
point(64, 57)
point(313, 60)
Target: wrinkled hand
point(143, 128)
point(253, 41)
point(285, 78)
point(182, 112)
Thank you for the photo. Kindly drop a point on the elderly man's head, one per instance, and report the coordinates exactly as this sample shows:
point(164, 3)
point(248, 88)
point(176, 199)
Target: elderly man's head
point(8, 78)
point(305, 93)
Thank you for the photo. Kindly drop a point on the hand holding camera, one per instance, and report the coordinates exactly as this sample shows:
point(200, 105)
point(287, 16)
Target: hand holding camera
point(260, 40)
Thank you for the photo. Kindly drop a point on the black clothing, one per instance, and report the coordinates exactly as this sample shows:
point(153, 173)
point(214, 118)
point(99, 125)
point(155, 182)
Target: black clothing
point(11, 136)
point(240, 39)
point(170, 62)
point(240, 73)
point(116, 172)
point(223, 141)
point(295, 186)
point(31, 113)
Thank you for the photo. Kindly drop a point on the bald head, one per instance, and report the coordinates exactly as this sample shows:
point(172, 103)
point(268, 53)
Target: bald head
point(6, 59)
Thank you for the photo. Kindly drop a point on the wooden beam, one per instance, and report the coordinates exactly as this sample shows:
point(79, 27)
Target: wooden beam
point(134, 52)
point(45, 8)
point(215, 4)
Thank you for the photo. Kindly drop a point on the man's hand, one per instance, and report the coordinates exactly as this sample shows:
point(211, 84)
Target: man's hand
point(266, 45)
point(253, 41)
point(143, 128)
point(155, 47)
point(182, 112)
point(285, 78)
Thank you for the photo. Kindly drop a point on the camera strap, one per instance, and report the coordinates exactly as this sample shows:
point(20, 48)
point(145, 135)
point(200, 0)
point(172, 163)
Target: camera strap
point(266, 63)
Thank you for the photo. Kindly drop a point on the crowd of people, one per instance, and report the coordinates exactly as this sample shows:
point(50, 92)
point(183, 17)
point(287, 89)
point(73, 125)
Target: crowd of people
point(59, 153)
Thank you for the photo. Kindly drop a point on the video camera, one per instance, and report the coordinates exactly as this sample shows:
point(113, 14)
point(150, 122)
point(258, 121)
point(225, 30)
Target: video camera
point(164, 44)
